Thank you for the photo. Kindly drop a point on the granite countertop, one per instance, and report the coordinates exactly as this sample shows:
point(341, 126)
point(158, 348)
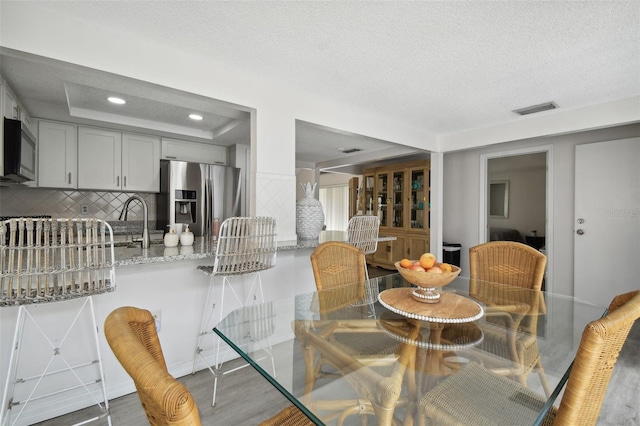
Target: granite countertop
point(133, 254)
point(157, 253)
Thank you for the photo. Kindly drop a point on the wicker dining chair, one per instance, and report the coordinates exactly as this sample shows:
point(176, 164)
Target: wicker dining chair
point(339, 272)
point(581, 402)
point(131, 334)
point(518, 265)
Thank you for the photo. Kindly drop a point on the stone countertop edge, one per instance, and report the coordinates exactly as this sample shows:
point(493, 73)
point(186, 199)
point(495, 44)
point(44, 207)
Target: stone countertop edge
point(158, 253)
point(203, 248)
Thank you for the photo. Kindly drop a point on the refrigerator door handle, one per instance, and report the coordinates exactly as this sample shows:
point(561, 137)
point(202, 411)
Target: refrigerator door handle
point(208, 206)
point(236, 198)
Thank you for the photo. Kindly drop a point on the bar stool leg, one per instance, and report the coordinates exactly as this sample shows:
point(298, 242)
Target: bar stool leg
point(207, 314)
point(9, 390)
point(7, 396)
point(207, 325)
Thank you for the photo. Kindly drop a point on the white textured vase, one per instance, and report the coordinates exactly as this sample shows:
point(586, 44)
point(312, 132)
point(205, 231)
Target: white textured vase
point(309, 214)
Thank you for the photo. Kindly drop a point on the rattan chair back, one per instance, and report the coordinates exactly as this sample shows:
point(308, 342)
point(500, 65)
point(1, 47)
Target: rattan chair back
point(132, 336)
point(362, 233)
point(599, 348)
point(337, 264)
point(246, 245)
point(507, 262)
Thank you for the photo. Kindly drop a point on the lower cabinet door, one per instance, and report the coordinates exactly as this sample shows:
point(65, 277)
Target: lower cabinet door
point(417, 246)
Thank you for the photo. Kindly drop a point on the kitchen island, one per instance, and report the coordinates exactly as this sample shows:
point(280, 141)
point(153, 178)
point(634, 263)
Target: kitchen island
point(167, 282)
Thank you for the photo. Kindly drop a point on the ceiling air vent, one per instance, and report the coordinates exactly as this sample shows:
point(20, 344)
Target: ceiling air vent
point(350, 150)
point(536, 108)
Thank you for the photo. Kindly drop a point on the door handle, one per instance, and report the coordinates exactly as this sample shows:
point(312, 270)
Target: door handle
point(580, 232)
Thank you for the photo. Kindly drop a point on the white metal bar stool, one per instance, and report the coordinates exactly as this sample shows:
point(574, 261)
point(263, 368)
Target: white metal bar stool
point(246, 245)
point(362, 233)
point(54, 260)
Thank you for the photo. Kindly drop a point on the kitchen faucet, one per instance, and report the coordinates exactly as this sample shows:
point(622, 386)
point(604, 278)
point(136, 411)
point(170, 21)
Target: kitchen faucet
point(146, 240)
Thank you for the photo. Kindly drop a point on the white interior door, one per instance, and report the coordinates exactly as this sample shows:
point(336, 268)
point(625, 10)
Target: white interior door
point(607, 220)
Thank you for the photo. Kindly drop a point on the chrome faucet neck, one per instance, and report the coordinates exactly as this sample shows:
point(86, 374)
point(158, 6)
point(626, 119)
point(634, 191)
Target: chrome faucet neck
point(146, 240)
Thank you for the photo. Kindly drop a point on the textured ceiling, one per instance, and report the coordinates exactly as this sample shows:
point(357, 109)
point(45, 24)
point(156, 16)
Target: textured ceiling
point(444, 67)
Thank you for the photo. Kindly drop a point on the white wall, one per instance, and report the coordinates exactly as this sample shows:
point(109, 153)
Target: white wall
point(462, 202)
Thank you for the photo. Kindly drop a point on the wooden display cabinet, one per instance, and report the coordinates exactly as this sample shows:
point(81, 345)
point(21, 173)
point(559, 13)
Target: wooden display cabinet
point(400, 195)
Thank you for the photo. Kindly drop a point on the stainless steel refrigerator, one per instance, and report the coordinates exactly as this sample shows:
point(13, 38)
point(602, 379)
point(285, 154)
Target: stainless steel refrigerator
point(197, 194)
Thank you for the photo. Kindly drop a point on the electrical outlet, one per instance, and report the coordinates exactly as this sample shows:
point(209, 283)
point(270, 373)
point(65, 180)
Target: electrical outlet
point(157, 315)
point(84, 209)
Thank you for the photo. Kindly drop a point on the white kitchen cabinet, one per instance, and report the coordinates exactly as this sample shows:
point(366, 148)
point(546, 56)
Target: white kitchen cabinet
point(174, 149)
point(140, 163)
point(57, 155)
point(10, 108)
point(26, 119)
point(114, 161)
point(99, 159)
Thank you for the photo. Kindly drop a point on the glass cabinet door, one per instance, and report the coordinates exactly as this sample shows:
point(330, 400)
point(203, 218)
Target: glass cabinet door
point(419, 200)
point(368, 195)
point(398, 199)
point(383, 199)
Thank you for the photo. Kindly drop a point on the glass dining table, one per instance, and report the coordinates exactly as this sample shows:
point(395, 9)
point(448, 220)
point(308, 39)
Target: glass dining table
point(349, 352)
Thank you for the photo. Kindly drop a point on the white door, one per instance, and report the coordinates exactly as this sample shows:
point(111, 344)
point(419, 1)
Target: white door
point(607, 220)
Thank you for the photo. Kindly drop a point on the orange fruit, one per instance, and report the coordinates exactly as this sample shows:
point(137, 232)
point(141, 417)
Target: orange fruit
point(427, 260)
point(446, 268)
point(406, 263)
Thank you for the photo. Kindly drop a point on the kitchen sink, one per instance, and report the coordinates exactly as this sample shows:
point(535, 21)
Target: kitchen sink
point(136, 243)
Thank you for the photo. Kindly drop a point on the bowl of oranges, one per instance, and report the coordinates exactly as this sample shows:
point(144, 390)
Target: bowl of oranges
point(427, 274)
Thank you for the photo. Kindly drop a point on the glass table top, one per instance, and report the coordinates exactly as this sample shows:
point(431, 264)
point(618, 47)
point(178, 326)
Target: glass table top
point(340, 352)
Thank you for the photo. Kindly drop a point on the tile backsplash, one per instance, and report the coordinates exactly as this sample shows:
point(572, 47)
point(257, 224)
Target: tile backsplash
point(17, 200)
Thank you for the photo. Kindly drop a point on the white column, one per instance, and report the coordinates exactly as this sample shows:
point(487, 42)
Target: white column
point(273, 153)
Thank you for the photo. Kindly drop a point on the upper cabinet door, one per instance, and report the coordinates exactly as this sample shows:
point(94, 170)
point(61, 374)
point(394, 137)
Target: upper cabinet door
point(174, 149)
point(9, 103)
point(99, 159)
point(140, 163)
point(57, 155)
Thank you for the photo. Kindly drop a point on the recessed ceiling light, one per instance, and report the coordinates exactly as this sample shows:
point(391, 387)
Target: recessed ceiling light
point(195, 117)
point(115, 100)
